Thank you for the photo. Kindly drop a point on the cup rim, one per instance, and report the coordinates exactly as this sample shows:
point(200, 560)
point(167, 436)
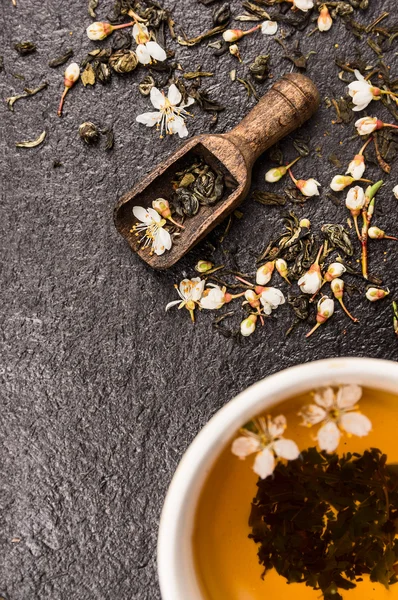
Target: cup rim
point(177, 575)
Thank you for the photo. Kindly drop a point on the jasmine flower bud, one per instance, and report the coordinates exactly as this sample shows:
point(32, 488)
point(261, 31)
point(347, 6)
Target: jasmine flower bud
point(324, 20)
point(163, 208)
point(202, 266)
point(264, 273)
point(378, 234)
point(337, 286)
point(252, 298)
point(395, 191)
point(368, 125)
point(325, 311)
point(234, 50)
point(269, 27)
point(281, 267)
point(355, 200)
point(233, 35)
point(275, 174)
point(311, 281)
point(373, 294)
point(71, 75)
point(99, 31)
point(305, 223)
point(248, 326)
point(334, 270)
point(339, 182)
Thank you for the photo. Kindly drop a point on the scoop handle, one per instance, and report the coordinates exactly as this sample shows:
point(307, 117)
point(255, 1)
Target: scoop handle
point(290, 102)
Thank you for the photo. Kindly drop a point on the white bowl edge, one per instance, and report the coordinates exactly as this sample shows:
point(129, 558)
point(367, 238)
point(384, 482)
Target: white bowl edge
point(177, 577)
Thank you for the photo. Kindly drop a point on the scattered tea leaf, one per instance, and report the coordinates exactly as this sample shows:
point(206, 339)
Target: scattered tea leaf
point(268, 198)
point(88, 75)
point(25, 48)
point(92, 5)
point(32, 143)
point(61, 60)
point(26, 94)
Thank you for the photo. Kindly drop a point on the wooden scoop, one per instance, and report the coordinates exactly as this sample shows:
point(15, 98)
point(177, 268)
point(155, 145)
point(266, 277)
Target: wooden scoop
point(288, 104)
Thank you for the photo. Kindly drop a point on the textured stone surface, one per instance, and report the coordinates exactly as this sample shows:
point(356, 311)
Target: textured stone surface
point(101, 391)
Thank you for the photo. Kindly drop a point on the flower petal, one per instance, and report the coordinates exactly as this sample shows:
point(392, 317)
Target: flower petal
point(286, 449)
point(157, 98)
point(188, 102)
point(197, 288)
point(324, 397)
point(142, 215)
point(144, 58)
point(276, 426)
point(149, 119)
point(155, 216)
point(264, 463)
point(174, 95)
point(348, 396)
point(328, 437)
point(162, 241)
point(243, 446)
point(173, 303)
point(176, 124)
point(312, 414)
point(356, 424)
point(156, 51)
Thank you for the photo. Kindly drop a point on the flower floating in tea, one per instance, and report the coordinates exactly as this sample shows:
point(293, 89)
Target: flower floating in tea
point(338, 413)
point(151, 231)
point(190, 292)
point(171, 114)
point(268, 443)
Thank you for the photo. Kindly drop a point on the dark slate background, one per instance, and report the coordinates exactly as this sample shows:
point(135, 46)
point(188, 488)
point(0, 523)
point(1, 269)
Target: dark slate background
point(101, 391)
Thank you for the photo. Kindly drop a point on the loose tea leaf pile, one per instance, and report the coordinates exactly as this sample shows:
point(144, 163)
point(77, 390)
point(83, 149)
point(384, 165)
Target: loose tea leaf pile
point(326, 521)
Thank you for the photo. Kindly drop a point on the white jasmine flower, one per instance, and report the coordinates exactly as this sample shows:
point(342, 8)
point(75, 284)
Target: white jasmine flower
point(268, 444)
point(355, 200)
point(308, 187)
point(368, 125)
point(356, 168)
point(395, 191)
point(271, 298)
point(151, 230)
point(264, 273)
point(190, 292)
point(339, 182)
point(375, 233)
point(362, 92)
point(248, 326)
point(325, 21)
point(311, 281)
point(170, 117)
point(373, 294)
point(213, 297)
point(325, 310)
point(269, 27)
point(304, 5)
point(338, 413)
point(146, 50)
point(334, 270)
point(99, 31)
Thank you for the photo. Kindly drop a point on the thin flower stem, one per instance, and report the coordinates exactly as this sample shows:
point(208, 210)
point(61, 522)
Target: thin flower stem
point(365, 180)
point(293, 162)
point(362, 150)
point(313, 329)
point(390, 237)
point(123, 25)
point(252, 29)
point(292, 176)
point(244, 281)
point(357, 227)
point(390, 125)
point(347, 312)
point(61, 104)
point(175, 223)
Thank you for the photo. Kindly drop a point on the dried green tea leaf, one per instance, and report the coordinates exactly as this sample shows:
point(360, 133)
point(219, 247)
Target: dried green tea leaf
point(25, 48)
point(88, 75)
point(92, 5)
point(33, 143)
point(123, 61)
point(327, 520)
point(110, 138)
point(259, 69)
point(195, 74)
point(1, 64)
point(222, 14)
point(196, 40)
point(26, 94)
point(248, 87)
point(268, 198)
point(146, 85)
point(89, 132)
point(338, 238)
point(61, 60)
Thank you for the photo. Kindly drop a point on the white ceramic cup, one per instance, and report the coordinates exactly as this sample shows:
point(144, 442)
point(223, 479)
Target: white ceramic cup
point(177, 574)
